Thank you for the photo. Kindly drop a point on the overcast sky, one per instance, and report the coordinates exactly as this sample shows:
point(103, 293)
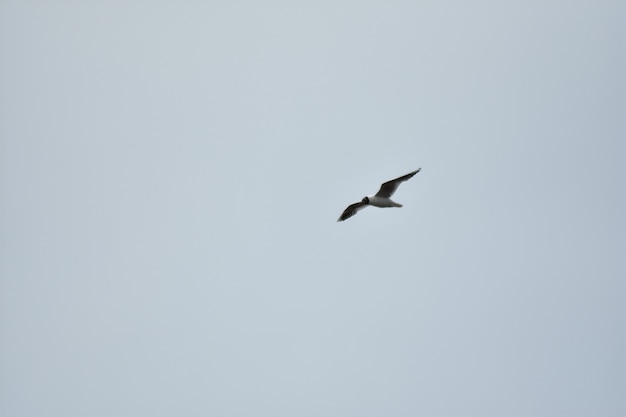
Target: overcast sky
point(171, 174)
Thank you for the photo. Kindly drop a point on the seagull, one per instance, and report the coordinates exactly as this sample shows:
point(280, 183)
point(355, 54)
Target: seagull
point(380, 199)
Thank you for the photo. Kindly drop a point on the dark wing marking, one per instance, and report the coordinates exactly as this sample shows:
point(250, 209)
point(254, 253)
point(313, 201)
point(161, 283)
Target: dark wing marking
point(390, 187)
point(351, 210)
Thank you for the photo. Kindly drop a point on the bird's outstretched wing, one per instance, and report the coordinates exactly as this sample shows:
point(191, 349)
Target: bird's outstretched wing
point(390, 187)
point(351, 210)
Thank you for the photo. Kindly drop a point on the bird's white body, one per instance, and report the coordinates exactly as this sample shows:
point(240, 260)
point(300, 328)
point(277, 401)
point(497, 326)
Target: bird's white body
point(382, 202)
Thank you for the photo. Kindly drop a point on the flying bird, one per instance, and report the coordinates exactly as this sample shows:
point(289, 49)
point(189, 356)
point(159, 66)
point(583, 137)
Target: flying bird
point(380, 199)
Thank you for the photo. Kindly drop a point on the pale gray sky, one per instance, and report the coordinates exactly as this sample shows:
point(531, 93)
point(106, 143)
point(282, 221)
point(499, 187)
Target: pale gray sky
point(171, 175)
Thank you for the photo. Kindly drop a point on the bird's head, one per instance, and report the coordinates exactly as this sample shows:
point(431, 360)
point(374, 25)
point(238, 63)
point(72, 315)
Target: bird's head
point(365, 200)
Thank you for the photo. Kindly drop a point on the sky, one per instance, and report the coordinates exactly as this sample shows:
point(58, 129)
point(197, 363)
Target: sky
point(171, 174)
